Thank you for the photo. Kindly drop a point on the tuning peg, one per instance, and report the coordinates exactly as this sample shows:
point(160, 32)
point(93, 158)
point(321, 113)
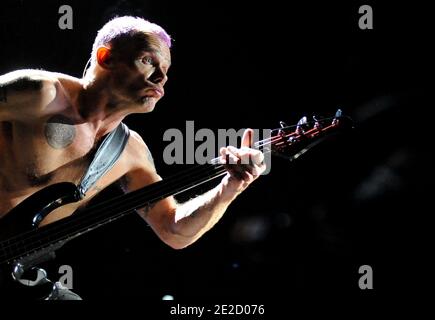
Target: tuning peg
point(302, 121)
point(317, 124)
point(300, 125)
point(338, 115)
point(284, 126)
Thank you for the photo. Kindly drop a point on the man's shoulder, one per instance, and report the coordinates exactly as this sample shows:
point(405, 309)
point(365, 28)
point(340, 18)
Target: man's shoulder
point(28, 74)
point(136, 144)
point(29, 84)
point(33, 93)
point(37, 77)
point(138, 152)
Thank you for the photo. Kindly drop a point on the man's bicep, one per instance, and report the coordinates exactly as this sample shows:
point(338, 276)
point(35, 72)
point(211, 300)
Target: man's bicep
point(159, 215)
point(24, 93)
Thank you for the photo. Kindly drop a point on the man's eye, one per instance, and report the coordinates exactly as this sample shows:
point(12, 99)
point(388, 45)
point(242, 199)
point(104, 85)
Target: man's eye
point(147, 60)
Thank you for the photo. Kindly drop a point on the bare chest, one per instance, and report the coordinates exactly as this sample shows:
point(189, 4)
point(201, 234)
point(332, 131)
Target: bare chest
point(35, 156)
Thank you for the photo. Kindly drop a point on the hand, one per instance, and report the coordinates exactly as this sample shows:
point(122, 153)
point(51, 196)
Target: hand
point(244, 164)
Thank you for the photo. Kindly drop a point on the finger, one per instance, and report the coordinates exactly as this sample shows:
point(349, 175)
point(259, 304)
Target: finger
point(247, 155)
point(232, 155)
point(255, 170)
point(257, 157)
point(228, 156)
point(242, 154)
point(258, 170)
point(248, 138)
point(223, 152)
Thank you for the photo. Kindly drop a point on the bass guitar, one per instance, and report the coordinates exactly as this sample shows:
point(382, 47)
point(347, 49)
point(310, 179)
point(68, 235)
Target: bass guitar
point(21, 252)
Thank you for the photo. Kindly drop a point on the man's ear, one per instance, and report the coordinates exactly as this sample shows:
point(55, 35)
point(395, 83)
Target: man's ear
point(104, 57)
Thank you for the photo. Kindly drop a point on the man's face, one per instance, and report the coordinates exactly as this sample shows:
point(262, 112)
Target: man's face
point(139, 81)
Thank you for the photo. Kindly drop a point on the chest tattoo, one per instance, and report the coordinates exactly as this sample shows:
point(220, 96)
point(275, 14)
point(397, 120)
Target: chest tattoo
point(59, 131)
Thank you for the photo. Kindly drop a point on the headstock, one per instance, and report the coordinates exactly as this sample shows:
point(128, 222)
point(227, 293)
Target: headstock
point(290, 142)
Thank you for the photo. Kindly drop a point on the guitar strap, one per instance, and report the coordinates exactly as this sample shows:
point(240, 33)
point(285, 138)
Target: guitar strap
point(106, 156)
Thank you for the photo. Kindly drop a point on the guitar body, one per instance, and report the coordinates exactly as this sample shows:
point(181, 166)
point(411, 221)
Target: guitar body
point(24, 246)
point(24, 218)
point(20, 218)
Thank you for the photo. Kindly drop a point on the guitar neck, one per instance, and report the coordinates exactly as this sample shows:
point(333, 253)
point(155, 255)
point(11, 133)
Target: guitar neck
point(102, 213)
point(287, 144)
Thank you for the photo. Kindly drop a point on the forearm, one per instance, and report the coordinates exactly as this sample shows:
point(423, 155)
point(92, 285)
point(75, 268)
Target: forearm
point(196, 216)
point(181, 225)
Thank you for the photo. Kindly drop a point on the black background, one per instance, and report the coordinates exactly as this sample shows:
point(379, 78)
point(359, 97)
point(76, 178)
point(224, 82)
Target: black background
point(357, 200)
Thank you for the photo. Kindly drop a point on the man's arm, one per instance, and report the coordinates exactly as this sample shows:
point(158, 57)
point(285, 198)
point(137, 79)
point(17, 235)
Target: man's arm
point(179, 225)
point(25, 93)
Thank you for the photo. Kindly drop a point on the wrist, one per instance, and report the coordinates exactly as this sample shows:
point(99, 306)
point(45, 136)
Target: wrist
point(227, 192)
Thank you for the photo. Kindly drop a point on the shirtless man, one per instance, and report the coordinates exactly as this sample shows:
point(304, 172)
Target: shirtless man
point(50, 122)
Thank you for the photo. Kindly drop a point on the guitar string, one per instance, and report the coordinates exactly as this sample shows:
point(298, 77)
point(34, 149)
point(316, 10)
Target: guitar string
point(36, 234)
point(88, 224)
point(60, 229)
point(183, 173)
point(39, 233)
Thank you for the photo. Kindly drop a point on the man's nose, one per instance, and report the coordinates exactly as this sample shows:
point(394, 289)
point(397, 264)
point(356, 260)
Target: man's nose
point(158, 76)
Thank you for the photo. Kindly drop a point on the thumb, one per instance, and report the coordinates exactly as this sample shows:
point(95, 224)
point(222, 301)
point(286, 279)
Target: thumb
point(248, 138)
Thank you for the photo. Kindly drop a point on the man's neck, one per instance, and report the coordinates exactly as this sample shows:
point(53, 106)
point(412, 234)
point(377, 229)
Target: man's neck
point(98, 107)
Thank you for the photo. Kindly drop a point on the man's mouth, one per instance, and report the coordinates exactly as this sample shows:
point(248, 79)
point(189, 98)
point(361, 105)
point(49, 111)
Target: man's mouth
point(150, 93)
point(154, 92)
